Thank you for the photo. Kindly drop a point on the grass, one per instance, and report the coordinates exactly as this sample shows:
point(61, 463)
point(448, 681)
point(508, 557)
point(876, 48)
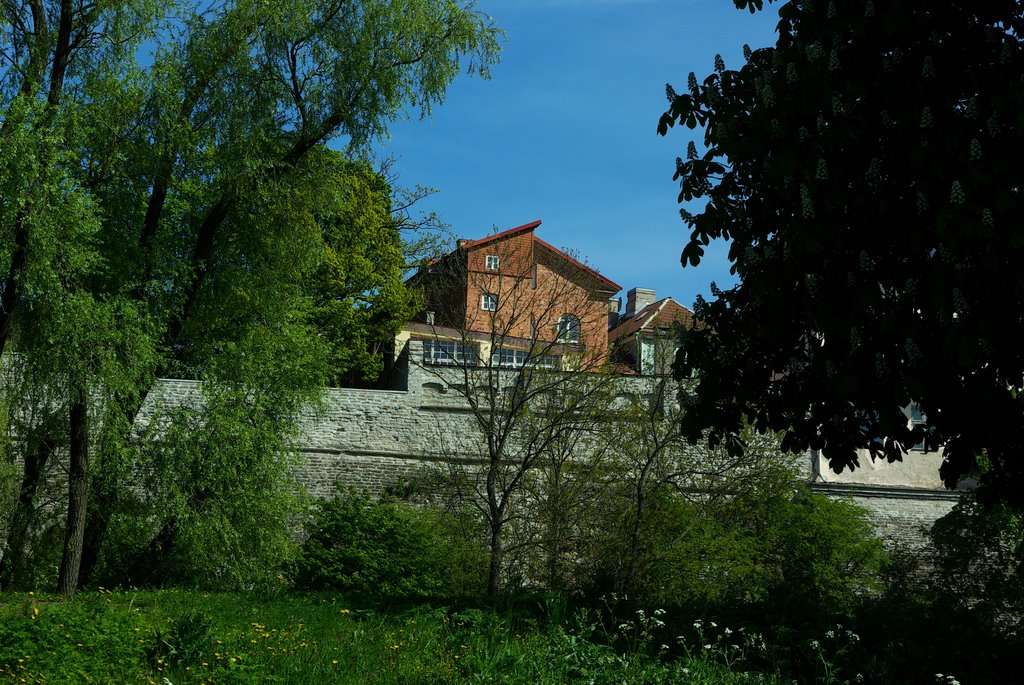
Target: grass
point(175, 636)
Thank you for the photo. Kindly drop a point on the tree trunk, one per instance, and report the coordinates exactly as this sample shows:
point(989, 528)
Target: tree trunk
point(494, 569)
point(21, 519)
point(78, 499)
point(15, 274)
point(96, 524)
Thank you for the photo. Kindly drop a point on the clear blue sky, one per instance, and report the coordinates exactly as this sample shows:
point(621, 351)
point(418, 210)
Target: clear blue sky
point(565, 132)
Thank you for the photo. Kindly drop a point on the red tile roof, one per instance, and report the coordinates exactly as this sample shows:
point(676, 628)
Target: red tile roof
point(660, 314)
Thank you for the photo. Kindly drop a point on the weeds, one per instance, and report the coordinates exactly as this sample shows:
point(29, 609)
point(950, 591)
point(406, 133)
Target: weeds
point(181, 637)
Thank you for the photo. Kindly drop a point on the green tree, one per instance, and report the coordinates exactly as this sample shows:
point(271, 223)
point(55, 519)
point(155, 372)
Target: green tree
point(527, 390)
point(865, 171)
point(357, 290)
point(165, 193)
point(672, 526)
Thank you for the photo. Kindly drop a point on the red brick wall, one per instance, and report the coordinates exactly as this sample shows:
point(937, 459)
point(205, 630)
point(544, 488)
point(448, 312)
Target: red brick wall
point(529, 307)
point(567, 288)
point(511, 283)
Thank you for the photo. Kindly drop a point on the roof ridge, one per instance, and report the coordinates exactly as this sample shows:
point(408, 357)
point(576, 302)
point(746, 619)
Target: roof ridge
point(578, 263)
point(502, 234)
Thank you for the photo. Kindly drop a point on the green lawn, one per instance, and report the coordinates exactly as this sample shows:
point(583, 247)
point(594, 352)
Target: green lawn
point(189, 637)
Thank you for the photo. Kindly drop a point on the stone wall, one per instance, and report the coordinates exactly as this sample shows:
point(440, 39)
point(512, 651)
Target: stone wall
point(901, 516)
point(373, 439)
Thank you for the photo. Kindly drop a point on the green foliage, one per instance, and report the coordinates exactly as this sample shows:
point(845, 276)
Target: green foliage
point(795, 555)
point(389, 549)
point(218, 499)
point(357, 290)
point(183, 643)
point(977, 561)
point(815, 554)
point(167, 202)
point(865, 171)
point(43, 641)
point(189, 637)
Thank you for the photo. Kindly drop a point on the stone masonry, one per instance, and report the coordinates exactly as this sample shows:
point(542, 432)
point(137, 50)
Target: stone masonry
point(372, 439)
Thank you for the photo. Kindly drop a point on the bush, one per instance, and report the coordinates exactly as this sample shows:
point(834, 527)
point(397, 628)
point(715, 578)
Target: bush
point(816, 554)
point(389, 548)
point(977, 561)
point(795, 554)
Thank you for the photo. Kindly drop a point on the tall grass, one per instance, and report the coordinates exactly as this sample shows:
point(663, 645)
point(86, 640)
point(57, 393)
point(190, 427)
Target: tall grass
point(186, 637)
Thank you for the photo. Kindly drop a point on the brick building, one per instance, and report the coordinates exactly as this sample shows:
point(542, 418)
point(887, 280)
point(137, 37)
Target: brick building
point(511, 299)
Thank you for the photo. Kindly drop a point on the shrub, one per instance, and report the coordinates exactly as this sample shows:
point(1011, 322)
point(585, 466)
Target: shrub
point(388, 548)
point(815, 554)
point(978, 560)
point(794, 553)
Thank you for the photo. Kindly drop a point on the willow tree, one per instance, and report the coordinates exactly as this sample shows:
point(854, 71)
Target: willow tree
point(165, 163)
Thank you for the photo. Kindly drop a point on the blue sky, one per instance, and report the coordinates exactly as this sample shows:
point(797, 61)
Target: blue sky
point(565, 132)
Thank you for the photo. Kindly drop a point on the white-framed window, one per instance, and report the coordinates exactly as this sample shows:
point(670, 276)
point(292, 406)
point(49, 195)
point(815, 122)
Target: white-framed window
point(568, 329)
point(510, 358)
point(449, 353)
point(917, 418)
point(492, 262)
point(489, 302)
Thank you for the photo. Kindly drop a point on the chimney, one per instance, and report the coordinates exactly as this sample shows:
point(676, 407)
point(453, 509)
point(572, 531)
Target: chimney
point(461, 243)
point(637, 299)
point(614, 305)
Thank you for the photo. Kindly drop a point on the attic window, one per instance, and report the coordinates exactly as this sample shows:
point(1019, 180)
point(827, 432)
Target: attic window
point(568, 329)
point(489, 302)
point(492, 262)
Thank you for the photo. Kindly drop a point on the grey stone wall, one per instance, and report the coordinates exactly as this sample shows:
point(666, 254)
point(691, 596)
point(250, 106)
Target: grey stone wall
point(372, 439)
point(901, 516)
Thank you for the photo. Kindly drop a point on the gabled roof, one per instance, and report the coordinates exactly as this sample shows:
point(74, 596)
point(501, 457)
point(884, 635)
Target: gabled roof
point(661, 314)
point(504, 234)
point(529, 228)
